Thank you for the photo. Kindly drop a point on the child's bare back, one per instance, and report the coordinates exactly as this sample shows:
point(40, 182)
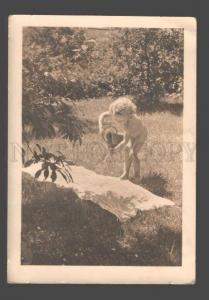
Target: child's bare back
point(134, 127)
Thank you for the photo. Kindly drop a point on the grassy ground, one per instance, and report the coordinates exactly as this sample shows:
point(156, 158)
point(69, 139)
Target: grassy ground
point(58, 228)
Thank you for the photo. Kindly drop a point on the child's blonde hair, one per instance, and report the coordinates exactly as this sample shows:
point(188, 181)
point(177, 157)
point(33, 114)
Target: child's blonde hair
point(122, 106)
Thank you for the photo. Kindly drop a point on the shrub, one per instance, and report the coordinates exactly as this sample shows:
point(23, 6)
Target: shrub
point(64, 63)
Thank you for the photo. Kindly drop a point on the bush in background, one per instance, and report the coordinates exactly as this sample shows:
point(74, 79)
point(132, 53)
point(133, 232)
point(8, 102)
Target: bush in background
point(153, 59)
point(86, 63)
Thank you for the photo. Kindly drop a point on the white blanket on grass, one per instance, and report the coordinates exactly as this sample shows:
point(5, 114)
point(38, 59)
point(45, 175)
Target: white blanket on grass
point(120, 197)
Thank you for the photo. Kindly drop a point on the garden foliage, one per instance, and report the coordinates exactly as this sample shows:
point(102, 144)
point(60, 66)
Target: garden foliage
point(72, 64)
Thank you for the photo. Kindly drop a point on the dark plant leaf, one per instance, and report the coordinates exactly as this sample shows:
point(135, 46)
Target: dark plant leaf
point(49, 155)
point(36, 155)
point(39, 147)
point(23, 151)
point(23, 156)
point(68, 173)
point(60, 153)
point(53, 167)
point(38, 173)
point(28, 163)
point(53, 176)
point(63, 175)
point(71, 178)
point(46, 173)
point(60, 159)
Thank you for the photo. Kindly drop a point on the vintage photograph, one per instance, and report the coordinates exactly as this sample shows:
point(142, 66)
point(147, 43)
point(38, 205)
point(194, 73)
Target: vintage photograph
point(102, 144)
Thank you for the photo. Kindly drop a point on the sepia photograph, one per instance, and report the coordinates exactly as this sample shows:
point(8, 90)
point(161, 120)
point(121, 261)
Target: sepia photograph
point(102, 118)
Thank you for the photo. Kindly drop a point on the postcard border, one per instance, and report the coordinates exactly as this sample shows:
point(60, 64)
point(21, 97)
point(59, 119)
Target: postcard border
point(80, 274)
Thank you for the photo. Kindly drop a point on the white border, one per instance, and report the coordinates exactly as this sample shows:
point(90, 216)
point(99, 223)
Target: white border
point(100, 274)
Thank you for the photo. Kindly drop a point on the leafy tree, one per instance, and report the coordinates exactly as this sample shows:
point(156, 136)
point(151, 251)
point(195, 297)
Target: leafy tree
point(68, 64)
point(52, 116)
point(49, 55)
point(153, 59)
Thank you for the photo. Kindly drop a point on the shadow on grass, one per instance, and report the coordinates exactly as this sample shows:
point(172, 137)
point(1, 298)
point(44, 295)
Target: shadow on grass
point(155, 236)
point(156, 184)
point(58, 228)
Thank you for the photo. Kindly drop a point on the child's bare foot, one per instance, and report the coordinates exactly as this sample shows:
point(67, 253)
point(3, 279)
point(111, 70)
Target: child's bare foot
point(136, 180)
point(124, 176)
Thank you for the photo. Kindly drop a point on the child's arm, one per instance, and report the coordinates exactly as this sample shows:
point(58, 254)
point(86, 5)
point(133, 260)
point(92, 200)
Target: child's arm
point(101, 120)
point(122, 143)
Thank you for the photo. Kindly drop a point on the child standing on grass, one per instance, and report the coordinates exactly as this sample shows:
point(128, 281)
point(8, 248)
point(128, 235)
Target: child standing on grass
point(124, 114)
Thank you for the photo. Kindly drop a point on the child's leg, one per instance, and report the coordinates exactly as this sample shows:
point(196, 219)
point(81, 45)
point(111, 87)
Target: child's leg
point(136, 166)
point(127, 163)
point(139, 142)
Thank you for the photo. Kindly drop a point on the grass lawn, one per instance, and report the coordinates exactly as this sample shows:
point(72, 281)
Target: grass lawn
point(59, 228)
